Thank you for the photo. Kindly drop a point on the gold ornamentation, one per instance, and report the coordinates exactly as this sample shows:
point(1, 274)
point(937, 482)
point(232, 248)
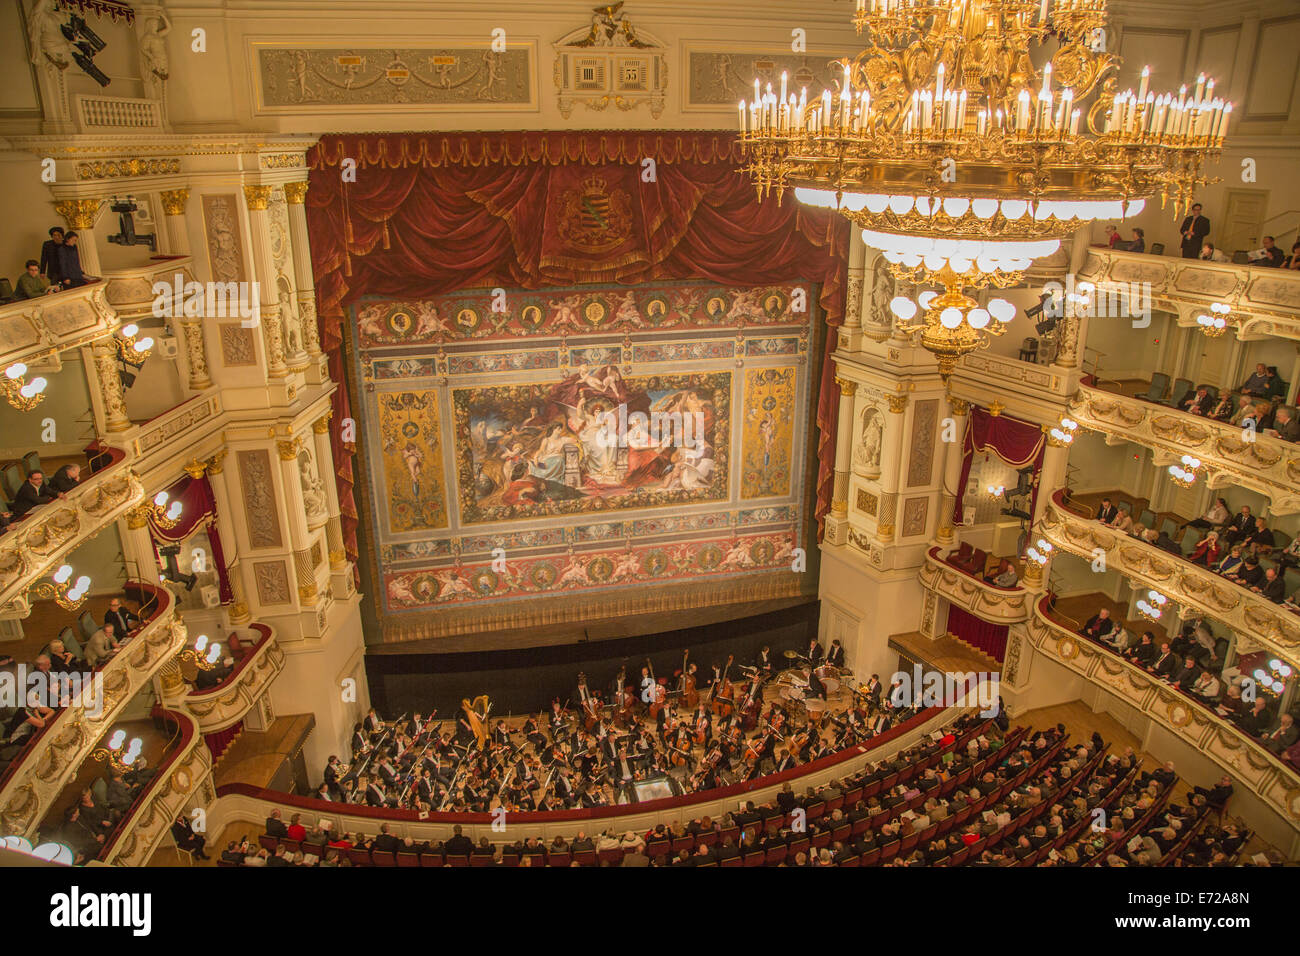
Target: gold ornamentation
point(79, 213)
point(215, 464)
point(847, 386)
point(174, 200)
point(196, 468)
point(289, 449)
point(307, 594)
point(1068, 649)
point(257, 197)
point(959, 406)
point(321, 426)
point(840, 506)
point(283, 161)
point(125, 168)
point(295, 193)
point(885, 531)
point(996, 408)
point(897, 403)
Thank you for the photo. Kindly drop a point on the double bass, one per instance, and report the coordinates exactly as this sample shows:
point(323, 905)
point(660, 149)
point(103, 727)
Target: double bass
point(691, 695)
point(658, 693)
point(724, 694)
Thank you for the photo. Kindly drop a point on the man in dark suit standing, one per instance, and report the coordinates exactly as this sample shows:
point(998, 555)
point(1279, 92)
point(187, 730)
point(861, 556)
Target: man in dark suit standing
point(120, 617)
point(815, 652)
point(1194, 230)
point(50, 262)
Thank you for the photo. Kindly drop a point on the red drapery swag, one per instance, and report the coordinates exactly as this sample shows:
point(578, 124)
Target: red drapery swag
point(1015, 442)
point(199, 507)
point(980, 634)
point(427, 214)
point(219, 741)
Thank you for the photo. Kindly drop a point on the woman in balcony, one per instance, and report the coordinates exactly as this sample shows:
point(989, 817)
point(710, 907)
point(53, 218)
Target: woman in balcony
point(1207, 550)
point(1229, 563)
point(1223, 408)
point(1216, 517)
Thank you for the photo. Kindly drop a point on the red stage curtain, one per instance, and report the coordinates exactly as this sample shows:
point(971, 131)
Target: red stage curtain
point(980, 634)
point(430, 213)
point(1015, 442)
point(199, 506)
point(219, 741)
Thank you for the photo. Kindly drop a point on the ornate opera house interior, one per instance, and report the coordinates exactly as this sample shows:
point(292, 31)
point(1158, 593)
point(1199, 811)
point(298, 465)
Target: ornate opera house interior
point(744, 433)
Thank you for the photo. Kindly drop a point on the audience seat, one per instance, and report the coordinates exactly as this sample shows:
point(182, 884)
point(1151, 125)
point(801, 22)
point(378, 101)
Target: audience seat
point(613, 857)
point(1159, 382)
point(408, 858)
point(585, 857)
point(559, 858)
point(383, 858)
point(431, 858)
point(457, 859)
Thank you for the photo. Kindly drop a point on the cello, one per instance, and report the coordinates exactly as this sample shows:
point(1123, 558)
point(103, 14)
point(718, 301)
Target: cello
point(724, 694)
point(691, 695)
point(658, 693)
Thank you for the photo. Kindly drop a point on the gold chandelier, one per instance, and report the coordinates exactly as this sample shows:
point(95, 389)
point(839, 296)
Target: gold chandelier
point(962, 161)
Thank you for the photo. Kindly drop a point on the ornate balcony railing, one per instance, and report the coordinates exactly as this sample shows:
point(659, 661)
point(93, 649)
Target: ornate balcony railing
point(31, 787)
point(1264, 301)
point(1257, 621)
point(1268, 465)
point(224, 705)
point(131, 291)
point(986, 601)
point(33, 329)
point(35, 546)
point(1242, 756)
point(147, 820)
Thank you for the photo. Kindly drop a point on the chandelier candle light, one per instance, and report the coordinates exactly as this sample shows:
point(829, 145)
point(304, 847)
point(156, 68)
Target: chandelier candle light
point(963, 161)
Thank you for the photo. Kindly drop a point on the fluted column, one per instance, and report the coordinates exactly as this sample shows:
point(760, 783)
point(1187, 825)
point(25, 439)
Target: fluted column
point(299, 534)
point(958, 411)
point(80, 215)
point(138, 546)
point(1073, 329)
point(890, 461)
point(258, 198)
point(105, 354)
point(295, 195)
point(325, 466)
point(174, 202)
point(844, 446)
point(1052, 475)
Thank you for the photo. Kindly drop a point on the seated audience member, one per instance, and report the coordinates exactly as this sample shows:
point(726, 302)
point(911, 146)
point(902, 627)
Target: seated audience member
point(1145, 651)
point(1137, 244)
point(32, 494)
point(49, 264)
point(1260, 539)
point(1165, 663)
point(121, 617)
point(1249, 573)
point(1273, 586)
point(1245, 412)
point(1099, 625)
point(1005, 575)
point(1285, 425)
point(1223, 408)
point(1207, 686)
point(187, 839)
point(1268, 254)
point(1112, 236)
point(1211, 254)
point(1283, 735)
point(1255, 385)
point(1214, 517)
point(1274, 387)
point(1185, 674)
point(1123, 523)
point(1293, 260)
point(275, 825)
point(1242, 524)
point(31, 284)
point(66, 478)
point(210, 678)
point(1166, 543)
point(1106, 512)
point(1290, 556)
point(1198, 402)
point(62, 660)
point(1206, 552)
point(102, 645)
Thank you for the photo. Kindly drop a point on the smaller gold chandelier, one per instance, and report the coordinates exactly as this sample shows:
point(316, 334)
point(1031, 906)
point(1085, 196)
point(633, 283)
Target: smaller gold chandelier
point(22, 395)
point(1153, 606)
point(67, 596)
point(1039, 553)
point(131, 346)
point(117, 756)
point(1216, 322)
point(202, 655)
point(953, 324)
point(1273, 679)
point(1062, 435)
point(158, 511)
point(1185, 472)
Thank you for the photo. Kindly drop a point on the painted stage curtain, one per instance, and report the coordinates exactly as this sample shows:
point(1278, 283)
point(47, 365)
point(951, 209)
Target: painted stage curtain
point(431, 213)
point(199, 508)
point(980, 634)
point(1015, 442)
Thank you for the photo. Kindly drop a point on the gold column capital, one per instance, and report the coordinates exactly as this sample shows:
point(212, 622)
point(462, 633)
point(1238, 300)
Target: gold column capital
point(322, 425)
point(215, 463)
point(138, 517)
point(79, 213)
point(296, 193)
point(196, 468)
point(289, 449)
point(257, 197)
point(959, 406)
point(174, 201)
point(847, 387)
point(897, 404)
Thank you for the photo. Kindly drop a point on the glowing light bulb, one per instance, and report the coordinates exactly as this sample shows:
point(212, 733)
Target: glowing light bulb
point(950, 317)
point(903, 307)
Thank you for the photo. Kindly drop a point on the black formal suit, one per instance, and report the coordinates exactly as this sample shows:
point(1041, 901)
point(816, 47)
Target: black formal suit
point(1239, 526)
point(816, 654)
point(1164, 664)
point(385, 843)
point(1145, 654)
point(29, 497)
point(1280, 739)
point(62, 481)
point(51, 266)
point(1199, 227)
point(121, 619)
point(1274, 590)
point(276, 828)
point(1107, 513)
point(1098, 626)
point(836, 656)
point(1185, 677)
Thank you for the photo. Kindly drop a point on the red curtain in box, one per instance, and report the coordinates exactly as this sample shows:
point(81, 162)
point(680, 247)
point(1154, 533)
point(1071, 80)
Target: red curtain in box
point(1015, 442)
point(980, 634)
point(429, 213)
point(219, 741)
point(199, 507)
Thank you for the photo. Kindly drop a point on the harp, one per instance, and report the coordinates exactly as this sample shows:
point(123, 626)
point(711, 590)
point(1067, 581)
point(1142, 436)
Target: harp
point(476, 712)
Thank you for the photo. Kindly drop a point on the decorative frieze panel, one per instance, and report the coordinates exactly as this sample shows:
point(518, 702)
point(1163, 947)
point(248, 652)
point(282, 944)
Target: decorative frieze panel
point(30, 328)
point(989, 603)
point(1239, 755)
point(1253, 617)
point(1267, 465)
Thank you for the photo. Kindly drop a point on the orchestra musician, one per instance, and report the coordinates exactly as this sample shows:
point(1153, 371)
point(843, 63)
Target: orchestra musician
point(815, 653)
point(835, 656)
point(764, 662)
